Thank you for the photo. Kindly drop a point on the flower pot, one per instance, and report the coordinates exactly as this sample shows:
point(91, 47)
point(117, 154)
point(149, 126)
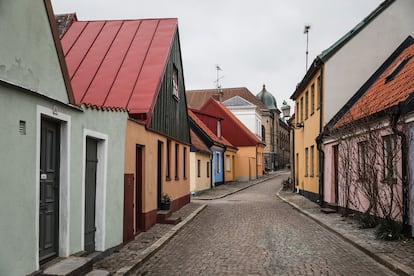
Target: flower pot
point(165, 205)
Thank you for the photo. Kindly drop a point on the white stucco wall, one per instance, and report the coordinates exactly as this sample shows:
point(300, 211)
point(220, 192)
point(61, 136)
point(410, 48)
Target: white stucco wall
point(349, 68)
point(250, 117)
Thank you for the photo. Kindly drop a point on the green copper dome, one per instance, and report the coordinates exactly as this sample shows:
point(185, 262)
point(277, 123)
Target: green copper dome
point(267, 98)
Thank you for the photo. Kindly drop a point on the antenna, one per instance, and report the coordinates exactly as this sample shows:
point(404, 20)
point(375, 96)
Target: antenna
point(218, 69)
point(306, 31)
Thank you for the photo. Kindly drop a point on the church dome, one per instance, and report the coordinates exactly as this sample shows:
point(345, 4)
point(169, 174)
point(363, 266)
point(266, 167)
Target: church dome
point(267, 98)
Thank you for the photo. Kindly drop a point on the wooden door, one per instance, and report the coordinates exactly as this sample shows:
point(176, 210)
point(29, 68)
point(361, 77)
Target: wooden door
point(159, 173)
point(128, 207)
point(49, 190)
point(90, 193)
point(138, 190)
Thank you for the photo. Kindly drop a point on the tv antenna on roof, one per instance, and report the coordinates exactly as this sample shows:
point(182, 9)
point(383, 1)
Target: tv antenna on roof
point(306, 31)
point(218, 69)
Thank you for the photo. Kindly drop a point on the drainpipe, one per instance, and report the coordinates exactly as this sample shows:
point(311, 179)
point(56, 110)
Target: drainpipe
point(319, 140)
point(404, 160)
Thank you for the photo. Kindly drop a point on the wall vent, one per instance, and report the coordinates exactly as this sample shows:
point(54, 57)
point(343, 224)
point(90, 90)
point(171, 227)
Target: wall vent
point(22, 127)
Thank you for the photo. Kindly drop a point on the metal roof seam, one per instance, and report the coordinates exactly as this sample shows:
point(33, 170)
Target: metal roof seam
point(103, 59)
point(120, 66)
point(74, 42)
point(84, 57)
point(142, 65)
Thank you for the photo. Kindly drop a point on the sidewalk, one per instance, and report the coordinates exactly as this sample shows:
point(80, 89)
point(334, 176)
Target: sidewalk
point(396, 255)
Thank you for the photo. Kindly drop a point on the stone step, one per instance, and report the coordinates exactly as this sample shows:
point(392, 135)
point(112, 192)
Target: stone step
point(71, 266)
point(174, 219)
point(327, 210)
point(162, 215)
point(98, 273)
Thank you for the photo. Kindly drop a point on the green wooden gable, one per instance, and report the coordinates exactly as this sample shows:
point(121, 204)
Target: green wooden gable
point(169, 115)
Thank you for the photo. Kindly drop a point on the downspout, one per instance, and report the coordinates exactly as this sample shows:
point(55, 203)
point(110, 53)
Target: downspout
point(404, 160)
point(319, 140)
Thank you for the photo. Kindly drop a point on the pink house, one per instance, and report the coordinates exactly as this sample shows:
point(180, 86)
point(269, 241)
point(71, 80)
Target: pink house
point(367, 147)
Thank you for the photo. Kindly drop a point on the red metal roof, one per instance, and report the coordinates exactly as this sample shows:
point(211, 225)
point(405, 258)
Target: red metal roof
point(383, 93)
point(231, 127)
point(118, 63)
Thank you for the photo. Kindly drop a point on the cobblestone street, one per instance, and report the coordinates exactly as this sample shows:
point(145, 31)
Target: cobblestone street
point(253, 232)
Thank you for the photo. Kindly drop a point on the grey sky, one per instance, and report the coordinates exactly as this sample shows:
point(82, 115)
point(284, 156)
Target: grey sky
point(254, 42)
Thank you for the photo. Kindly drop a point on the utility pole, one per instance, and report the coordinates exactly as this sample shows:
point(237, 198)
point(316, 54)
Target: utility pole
point(306, 31)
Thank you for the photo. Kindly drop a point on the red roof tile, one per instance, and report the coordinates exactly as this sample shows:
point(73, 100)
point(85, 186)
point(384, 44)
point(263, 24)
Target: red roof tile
point(197, 143)
point(118, 63)
point(383, 94)
point(231, 127)
point(207, 130)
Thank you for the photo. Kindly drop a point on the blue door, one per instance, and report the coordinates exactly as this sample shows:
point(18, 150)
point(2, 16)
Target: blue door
point(218, 167)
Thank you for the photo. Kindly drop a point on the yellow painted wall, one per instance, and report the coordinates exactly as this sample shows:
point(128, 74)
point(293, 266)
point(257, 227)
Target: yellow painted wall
point(202, 182)
point(136, 134)
point(249, 162)
point(305, 138)
point(230, 173)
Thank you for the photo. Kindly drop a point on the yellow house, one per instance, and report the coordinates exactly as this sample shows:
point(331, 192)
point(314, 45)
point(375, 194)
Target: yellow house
point(157, 165)
point(306, 124)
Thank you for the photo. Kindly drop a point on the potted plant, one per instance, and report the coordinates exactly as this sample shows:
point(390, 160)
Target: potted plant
point(165, 202)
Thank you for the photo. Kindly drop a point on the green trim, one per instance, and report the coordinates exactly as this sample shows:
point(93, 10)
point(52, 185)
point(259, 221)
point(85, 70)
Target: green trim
point(328, 53)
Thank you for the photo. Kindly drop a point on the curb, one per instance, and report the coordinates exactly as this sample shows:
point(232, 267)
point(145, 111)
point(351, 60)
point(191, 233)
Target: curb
point(151, 250)
point(244, 188)
point(386, 261)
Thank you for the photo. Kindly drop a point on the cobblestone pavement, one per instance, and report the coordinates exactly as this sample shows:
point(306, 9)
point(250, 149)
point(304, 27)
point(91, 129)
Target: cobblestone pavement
point(131, 253)
point(253, 232)
point(398, 255)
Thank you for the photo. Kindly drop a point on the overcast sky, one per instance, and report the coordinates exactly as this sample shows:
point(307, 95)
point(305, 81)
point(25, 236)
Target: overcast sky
point(254, 42)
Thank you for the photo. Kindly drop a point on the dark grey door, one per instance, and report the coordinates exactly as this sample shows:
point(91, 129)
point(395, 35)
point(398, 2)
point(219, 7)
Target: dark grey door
point(49, 190)
point(90, 193)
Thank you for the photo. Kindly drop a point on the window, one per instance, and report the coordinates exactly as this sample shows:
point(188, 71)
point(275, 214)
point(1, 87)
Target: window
point(168, 176)
point(363, 160)
point(217, 162)
point(306, 104)
point(390, 156)
point(176, 89)
point(198, 167)
point(312, 98)
point(185, 163)
point(318, 100)
point(301, 110)
point(312, 160)
point(263, 133)
point(306, 161)
point(228, 167)
point(177, 151)
point(297, 112)
point(208, 169)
